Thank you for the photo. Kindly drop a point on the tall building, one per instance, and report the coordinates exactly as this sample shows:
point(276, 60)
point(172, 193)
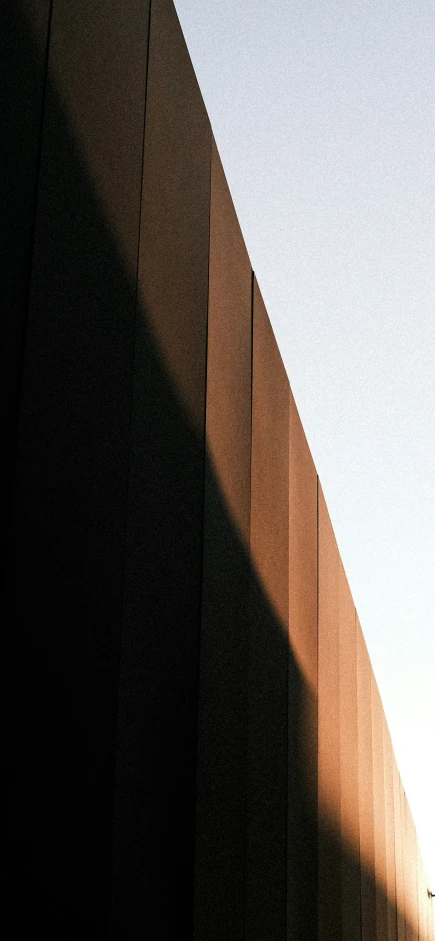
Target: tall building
point(194, 743)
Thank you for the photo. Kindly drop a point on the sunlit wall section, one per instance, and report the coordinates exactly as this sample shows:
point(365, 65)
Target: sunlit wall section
point(349, 786)
point(267, 762)
point(302, 692)
point(379, 813)
point(329, 794)
point(431, 920)
point(422, 899)
point(390, 835)
point(410, 872)
point(406, 865)
point(399, 853)
point(414, 873)
point(365, 790)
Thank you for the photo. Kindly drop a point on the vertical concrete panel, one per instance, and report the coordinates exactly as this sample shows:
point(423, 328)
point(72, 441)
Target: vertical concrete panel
point(221, 787)
point(410, 873)
point(329, 781)
point(406, 865)
point(415, 879)
point(379, 814)
point(365, 783)
point(390, 836)
point(428, 909)
point(427, 901)
point(350, 838)
point(266, 849)
point(422, 898)
point(431, 920)
point(430, 915)
point(158, 689)
point(398, 848)
point(302, 761)
point(69, 504)
point(414, 874)
point(24, 32)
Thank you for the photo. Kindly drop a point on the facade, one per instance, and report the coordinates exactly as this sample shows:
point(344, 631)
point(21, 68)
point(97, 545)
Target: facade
point(194, 743)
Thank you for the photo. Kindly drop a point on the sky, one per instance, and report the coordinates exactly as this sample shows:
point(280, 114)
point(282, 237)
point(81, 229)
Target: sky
point(323, 114)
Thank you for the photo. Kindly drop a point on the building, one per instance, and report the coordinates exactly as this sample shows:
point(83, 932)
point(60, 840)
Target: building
point(194, 743)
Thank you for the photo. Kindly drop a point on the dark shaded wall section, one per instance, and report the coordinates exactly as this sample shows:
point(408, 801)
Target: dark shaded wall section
point(67, 498)
point(194, 744)
point(24, 43)
point(155, 769)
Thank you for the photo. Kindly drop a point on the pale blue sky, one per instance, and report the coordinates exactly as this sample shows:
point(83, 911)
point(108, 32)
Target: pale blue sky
point(324, 116)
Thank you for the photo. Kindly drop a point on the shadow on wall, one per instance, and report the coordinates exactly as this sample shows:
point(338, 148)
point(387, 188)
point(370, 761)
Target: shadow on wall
point(103, 596)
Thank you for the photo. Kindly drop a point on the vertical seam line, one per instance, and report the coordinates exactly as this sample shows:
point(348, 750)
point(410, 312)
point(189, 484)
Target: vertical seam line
point(13, 441)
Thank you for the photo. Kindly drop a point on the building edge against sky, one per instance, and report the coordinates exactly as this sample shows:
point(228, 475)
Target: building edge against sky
point(197, 715)
point(323, 120)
